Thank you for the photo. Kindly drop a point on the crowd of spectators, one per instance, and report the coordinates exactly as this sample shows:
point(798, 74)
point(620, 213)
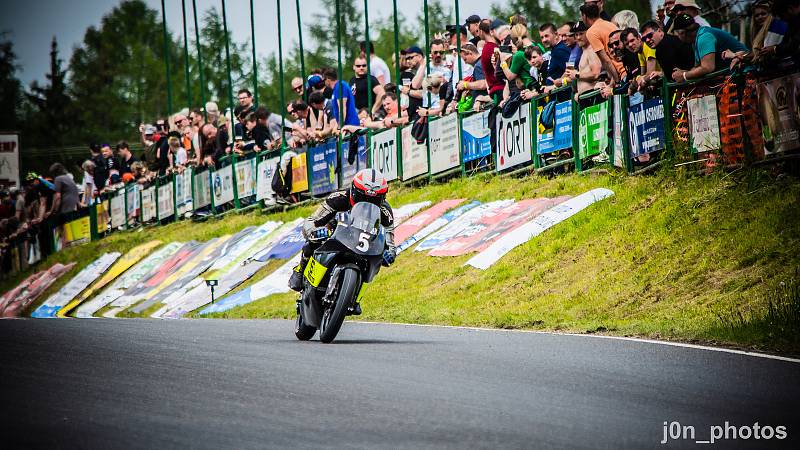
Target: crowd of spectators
point(500, 63)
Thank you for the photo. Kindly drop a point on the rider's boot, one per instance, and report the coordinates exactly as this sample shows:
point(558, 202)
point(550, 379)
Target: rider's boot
point(296, 280)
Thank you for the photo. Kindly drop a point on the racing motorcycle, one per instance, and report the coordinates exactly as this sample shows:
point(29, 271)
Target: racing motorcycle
point(337, 270)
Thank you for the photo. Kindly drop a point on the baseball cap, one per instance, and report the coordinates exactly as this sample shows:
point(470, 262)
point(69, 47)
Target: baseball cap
point(414, 49)
point(149, 129)
point(313, 81)
point(497, 23)
point(682, 21)
point(579, 27)
point(473, 19)
point(451, 29)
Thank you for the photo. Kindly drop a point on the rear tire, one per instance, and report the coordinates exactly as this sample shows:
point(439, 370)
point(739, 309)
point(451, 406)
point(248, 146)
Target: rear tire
point(333, 318)
point(301, 330)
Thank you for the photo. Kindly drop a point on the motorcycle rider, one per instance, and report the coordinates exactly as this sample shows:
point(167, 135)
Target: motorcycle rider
point(369, 185)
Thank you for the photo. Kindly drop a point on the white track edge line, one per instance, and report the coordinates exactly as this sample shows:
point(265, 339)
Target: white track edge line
point(598, 336)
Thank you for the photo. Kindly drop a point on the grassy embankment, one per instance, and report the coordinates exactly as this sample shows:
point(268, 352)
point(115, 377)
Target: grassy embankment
point(671, 256)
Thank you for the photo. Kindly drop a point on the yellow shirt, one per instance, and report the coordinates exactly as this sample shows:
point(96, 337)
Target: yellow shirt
point(645, 54)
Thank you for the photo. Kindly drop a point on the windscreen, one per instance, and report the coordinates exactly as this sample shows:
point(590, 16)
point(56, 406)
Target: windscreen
point(366, 217)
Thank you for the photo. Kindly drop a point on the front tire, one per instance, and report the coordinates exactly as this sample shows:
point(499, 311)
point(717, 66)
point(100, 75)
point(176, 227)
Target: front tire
point(333, 317)
point(301, 330)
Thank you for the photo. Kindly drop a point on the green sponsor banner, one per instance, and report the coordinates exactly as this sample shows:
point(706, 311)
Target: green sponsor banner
point(593, 131)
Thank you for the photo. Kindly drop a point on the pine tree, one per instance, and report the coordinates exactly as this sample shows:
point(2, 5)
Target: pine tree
point(50, 122)
point(10, 86)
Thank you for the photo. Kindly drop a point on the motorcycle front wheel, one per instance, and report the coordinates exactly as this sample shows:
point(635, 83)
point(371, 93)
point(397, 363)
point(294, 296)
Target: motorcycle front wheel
point(333, 317)
point(301, 330)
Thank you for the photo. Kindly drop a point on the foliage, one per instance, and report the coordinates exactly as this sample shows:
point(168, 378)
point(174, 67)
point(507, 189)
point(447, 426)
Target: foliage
point(10, 86)
point(48, 121)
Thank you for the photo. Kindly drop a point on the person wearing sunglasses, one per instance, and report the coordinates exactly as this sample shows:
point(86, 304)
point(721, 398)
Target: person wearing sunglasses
point(297, 87)
point(437, 66)
point(645, 56)
point(360, 86)
point(671, 53)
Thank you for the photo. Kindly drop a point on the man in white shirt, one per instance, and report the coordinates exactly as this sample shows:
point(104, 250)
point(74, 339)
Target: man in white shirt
point(377, 67)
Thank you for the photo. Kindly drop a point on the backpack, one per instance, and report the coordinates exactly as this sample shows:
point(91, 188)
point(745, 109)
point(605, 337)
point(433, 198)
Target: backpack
point(282, 182)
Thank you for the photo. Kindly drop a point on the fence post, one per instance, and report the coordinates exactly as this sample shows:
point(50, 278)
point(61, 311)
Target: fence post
point(576, 134)
point(125, 198)
point(199, 60)
point(93, 222)
point(302, 56)
point(186, 57)
point(667, 118)
point(166, 56)
point(175, 196)
point(141, 208)
point(236, 203)
point(211, 190)
point(158, 213)
point(626, 136)
point(255, 62)
point(228, 64)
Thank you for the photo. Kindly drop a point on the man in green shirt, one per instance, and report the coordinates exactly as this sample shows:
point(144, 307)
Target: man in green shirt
point(708, 45)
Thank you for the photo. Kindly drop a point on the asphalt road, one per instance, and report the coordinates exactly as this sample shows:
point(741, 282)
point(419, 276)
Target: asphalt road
point(250, 384)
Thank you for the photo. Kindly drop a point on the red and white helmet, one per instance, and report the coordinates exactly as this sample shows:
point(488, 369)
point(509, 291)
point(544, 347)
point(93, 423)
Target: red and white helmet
point(369, 185)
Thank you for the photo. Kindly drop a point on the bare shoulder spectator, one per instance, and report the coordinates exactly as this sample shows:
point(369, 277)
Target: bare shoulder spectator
point(598, 36)
point(590, 66)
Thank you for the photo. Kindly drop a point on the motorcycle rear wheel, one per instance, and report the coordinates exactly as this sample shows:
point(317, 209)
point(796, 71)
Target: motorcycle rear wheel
point(333, 317)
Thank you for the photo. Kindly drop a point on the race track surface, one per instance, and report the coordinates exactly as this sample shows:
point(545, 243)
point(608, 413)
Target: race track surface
point(249, 384)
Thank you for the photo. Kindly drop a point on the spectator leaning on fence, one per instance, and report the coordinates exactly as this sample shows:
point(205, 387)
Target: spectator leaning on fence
point(597, 35)
point(361, 89)
point(559, 54)
point(690, 8)
point(494, 85)
point(671, 52)
point(645, 57)
point(766, 31)
point(65, 197)
point(590, 66)
point(789, 12)
point(710, 46)
point(377, 66)
point(413, 61)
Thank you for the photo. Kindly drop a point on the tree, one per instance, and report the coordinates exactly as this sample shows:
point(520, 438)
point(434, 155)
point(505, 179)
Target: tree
point(323, 33)
point(10, 86)
point(536, 11)
point(49, 123)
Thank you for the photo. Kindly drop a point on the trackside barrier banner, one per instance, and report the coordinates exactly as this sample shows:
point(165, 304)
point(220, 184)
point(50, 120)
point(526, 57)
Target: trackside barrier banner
point(619, 128)
point(246, 178)
point(384, 153)
point(266, 171)
point(72, 233)
point(9, 160)
point(404, 212)
point(349, 169)
point(166, 201)
point(476, 138)
point(16, 300)
point(121, 265)
point(299, 174)
point(221, 186)
point(491, 225)
point(407, 229)
point(128, 280)
point(461, 224)
point(560, 136)
point(593, 130)
point(202, 190)
point(118, 209)
point(514, 138)
point(74, 287)
point(415, 156)
point(274, 283)
point(132, 191)
point(103, 218)
point(183, 191)
point(177, 281)
point(778, 108)
point(443, 135)
point(535, 227)
point(149, 204)
point(704, 124)
point(647, 127)
point(435, 225)
point(230, 275)
point(289, 245)
point(323, 167)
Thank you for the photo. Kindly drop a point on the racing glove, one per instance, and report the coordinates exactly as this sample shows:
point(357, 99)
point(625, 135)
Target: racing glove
point(389, 256)
point(320, 234)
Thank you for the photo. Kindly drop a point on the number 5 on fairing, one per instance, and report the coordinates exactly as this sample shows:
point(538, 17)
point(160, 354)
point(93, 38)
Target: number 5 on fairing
point(363, 242)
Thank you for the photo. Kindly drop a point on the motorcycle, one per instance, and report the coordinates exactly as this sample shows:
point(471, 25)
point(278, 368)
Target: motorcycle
point(337, 271)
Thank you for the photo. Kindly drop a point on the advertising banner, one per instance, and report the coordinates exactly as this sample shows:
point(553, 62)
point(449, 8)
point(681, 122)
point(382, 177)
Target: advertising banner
point(359, 159)
point(118, 209)
point(323, 167)
point(462, 225)
point(476, 137)
point(286, 247)
point(384, 153)
point(183, 191)
point(103, 219)
point(780, 116)
point(404, 212)
point(514, 138)
point(76, 285)
point(9, 161)
point(266, 170)
point(436, 225)
point(202, 190)
point(221, 186)
point(619, 128)
point(246, 178)
point(491, 225)
point(149, 204)
point(703, 124)
point(647, 127)
point(593, 130)
point(443, 135)
point(407, 229)
point(76, 232)
point(132, 191)
point(536, 226)
point(299, 174)
point(15, 301)
point(415, 156)
point(166, 201)
point(560, 137)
